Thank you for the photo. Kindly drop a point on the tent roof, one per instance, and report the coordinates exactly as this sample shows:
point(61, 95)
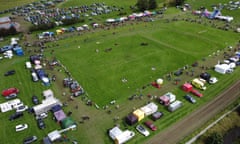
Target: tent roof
point(59, 115)
point(131, 119)
point(56, 108)
point(67, 122)
point(54, 135)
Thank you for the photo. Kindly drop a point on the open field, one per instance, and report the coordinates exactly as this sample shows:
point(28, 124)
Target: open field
point(100, 59)
point(7, 4)
point(168, 49)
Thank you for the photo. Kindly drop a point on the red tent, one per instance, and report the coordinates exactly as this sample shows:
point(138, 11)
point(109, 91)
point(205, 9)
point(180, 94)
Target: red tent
point(187, 87)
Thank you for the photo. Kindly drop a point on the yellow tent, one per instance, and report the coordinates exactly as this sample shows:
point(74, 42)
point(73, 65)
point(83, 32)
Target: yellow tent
point(139, 114)
point(59, 31)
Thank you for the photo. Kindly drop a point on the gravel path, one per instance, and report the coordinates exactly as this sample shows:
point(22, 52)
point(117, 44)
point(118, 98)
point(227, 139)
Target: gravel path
point(178, 131)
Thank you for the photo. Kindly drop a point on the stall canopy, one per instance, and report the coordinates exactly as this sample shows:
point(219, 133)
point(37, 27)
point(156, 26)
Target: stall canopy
point(139, 114)
point(59, 115)
point(131, 119)
point(56, 108)
point(67, 122)
point(149, 108)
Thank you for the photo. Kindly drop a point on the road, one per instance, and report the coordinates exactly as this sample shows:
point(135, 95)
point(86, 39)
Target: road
point(178, 131)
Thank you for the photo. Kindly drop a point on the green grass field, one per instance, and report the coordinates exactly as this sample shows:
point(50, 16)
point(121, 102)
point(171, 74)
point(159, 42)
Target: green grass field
point(169, 46)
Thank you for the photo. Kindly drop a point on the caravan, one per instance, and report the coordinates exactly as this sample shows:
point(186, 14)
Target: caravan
point(223, 68)
point(198, 84)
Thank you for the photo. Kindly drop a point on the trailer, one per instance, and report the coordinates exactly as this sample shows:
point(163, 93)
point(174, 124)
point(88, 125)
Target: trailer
point(175, 105)
point(167, 98)
point(199, 83)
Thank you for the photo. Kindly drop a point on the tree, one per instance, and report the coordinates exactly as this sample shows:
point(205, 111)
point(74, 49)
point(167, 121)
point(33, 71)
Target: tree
point(12, 30)
point(214, 138)
point(152, 4)
point(179, 2)
point(142, 5)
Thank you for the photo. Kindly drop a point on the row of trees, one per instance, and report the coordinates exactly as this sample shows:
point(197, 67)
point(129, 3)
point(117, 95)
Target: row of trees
point(143, 5)
point(51, 25)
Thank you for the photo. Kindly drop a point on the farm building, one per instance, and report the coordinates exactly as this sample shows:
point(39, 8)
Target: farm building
point(139, 114)
point(120, 136)
point(149, 109)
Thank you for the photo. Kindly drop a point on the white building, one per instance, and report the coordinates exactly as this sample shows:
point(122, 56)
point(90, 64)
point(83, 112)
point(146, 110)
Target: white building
point(120, 136)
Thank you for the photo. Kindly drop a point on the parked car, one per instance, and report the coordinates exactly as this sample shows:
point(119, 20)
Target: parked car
point(178, 72)
point(28, 65)
point(196, 93)
point(35, 100)
point(21, 127)
point(40, 123)
point(157, 115)
point(22, 108)
point(41, 116)
point(150, 125)
point(15, 116)
point(5, 48)
point(9, 91)
point(213, 80)
point(30, 140)
point(34, 77)
point(11, 72)
point(142, 130)
point(11, 96)
point(190, 98)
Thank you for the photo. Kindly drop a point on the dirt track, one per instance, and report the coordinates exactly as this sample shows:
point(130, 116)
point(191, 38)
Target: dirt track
point(175, 133)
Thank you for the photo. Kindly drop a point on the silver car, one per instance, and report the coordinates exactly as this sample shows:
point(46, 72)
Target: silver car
point(142, 130)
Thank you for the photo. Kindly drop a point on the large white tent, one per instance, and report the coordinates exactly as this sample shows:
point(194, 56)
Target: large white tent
point(149, 108)
point(120, 136)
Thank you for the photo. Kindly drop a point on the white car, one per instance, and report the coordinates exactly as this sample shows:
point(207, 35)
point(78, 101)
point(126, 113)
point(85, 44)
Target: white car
point(41, 116)
point(213, 80)
point(21, 127)
point(22, 108)
point(142, 130)
point(34, 76)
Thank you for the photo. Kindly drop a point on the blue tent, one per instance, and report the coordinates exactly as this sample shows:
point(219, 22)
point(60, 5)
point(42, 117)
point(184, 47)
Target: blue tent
point(18, 51)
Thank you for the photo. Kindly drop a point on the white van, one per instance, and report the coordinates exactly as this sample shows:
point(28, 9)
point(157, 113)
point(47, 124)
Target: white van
point(28, 65)
point(34, 76)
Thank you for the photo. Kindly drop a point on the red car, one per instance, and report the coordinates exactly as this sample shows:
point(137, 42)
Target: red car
point(150, 125)
point(10, 91)
point(196, 93)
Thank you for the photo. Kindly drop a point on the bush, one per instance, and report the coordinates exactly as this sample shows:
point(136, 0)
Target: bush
point(42, 27)
point(214, 138)
point(72, 21)
point(5, 32)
